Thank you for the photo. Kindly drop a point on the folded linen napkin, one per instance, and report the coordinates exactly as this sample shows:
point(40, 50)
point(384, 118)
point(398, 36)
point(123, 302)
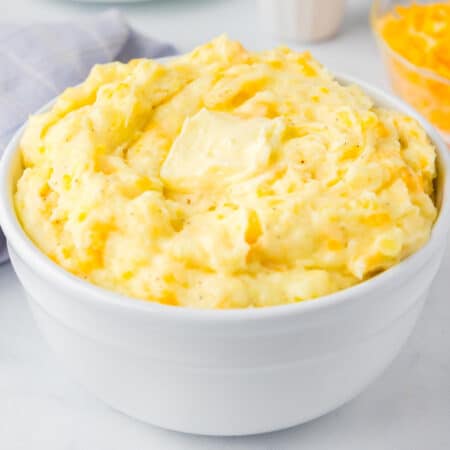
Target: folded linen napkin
point(41, 60)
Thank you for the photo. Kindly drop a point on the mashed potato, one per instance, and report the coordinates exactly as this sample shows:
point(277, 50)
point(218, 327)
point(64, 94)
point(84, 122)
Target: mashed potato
point(224, 179)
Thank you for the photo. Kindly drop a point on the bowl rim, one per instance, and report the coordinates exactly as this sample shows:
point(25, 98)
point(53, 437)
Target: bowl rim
point(87, 292)
point(424, 71)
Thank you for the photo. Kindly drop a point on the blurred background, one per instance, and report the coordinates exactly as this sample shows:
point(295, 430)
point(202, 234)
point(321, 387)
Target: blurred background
point(342, 34)
point(188, 23)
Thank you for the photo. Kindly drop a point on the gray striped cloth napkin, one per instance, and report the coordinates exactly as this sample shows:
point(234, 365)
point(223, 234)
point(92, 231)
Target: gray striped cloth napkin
point(40, 60)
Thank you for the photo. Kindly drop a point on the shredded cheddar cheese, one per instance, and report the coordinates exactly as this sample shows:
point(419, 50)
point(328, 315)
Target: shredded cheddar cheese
point(420, 34)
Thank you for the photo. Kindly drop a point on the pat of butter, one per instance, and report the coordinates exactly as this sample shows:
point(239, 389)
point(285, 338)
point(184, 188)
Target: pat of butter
point(216, 147)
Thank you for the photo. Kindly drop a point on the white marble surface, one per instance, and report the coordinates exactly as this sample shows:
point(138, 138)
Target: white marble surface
point(408, 408)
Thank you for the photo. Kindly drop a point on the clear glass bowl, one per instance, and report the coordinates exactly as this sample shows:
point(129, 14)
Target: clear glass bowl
point(425, 90)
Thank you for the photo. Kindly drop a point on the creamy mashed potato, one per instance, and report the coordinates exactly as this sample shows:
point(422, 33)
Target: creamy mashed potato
point(224, 179)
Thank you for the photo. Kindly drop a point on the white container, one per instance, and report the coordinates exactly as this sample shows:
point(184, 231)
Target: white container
point(301, 20)
point(229, 372)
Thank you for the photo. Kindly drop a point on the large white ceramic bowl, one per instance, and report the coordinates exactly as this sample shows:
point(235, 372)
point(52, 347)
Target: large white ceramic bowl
point(229, 372)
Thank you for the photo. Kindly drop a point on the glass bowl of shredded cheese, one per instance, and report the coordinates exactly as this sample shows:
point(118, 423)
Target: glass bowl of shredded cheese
point(414, 40)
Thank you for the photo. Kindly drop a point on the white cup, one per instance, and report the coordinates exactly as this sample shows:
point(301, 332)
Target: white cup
point(302, 20)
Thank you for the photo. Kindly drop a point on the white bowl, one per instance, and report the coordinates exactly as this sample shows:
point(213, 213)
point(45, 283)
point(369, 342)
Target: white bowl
point(229, 372)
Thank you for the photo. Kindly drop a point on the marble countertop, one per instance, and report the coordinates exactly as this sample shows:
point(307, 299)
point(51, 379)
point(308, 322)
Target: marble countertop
point(408, 408)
